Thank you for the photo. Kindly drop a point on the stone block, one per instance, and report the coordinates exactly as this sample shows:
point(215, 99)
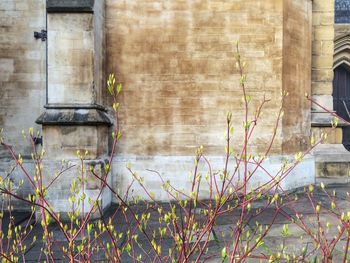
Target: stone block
point(59, 203)
point(327, 19)
point(322, 74)
point(331, 153)
point(316, 18)
point(22, 6)
point(322, 88)
point(322, 62)
point(334, 136)
point(60, 186)
point(316, 48)
point(6, 65)
point(328, 169)
point(327, 47)
point(62, 142)
point(326, 101)
point(323, 6)
point(323, 32)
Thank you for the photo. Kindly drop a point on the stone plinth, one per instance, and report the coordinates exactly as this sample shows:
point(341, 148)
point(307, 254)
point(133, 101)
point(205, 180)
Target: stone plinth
point(175, 171)
point(67, 130)
point(60, 190)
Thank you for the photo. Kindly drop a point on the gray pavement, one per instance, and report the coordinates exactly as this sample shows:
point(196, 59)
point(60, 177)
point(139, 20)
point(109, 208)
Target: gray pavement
point(274, 242)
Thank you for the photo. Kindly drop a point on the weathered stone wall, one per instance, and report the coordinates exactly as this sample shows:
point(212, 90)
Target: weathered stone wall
point(322, 68)
point(76, 41)
point(332, 159)
point(176, 60)
point(100, 55)
point(22, 68)
point(322, 52)
point(22, 80)
point(340, 30)
point(296, 74)
point(70, 55)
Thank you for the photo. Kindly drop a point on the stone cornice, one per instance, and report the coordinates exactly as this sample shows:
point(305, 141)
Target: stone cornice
point(70, 6)
point(79, 117)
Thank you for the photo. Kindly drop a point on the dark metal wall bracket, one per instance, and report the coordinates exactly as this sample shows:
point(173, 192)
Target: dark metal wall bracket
point(41, 35)
point(38, 140)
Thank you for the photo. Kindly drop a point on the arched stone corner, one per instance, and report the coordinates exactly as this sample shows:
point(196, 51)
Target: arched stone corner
point(342, 51)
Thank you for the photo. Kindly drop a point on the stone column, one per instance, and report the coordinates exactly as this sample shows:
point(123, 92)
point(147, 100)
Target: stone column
point(74, 118)
point(322, 61)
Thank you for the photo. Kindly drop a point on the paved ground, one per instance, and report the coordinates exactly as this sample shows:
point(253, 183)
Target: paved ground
point(294, 242)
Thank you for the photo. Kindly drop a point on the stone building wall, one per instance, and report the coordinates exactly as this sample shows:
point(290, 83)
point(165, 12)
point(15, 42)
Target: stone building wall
point(22, 78)
point(296, 75)
point(70, 52)
point(322, 51)
point(22, 69)
point(176, 60)
point(322, 68)
point(333, 158)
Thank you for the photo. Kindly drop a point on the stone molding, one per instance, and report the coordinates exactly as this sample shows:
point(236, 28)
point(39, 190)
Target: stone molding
point(75, 106)
point(81, 117)
point(324, 119)
point(70, 6)
point(342, 50)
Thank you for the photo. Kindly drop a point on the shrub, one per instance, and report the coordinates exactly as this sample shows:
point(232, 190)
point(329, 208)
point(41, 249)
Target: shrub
point(187, 228)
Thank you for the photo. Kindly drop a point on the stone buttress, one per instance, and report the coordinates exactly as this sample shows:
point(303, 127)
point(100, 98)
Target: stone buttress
point(74, 119)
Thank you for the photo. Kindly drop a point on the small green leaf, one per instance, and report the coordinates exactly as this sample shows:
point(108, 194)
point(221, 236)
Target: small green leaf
point(119, 88)
point(285, 230)
point(224, 253)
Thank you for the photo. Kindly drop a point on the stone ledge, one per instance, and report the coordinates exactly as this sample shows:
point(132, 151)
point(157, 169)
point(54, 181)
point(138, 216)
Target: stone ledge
point(70, 6)
point(66, 117)
point(324, 119)
point(75, 106)
point(332, 169)
point(331, 153)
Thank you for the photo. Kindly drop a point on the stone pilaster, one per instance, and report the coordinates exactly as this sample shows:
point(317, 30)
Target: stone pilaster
point(322, 60)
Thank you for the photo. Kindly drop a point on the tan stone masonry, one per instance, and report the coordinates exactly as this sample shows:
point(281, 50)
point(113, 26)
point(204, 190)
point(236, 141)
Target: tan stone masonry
point(176, 61)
